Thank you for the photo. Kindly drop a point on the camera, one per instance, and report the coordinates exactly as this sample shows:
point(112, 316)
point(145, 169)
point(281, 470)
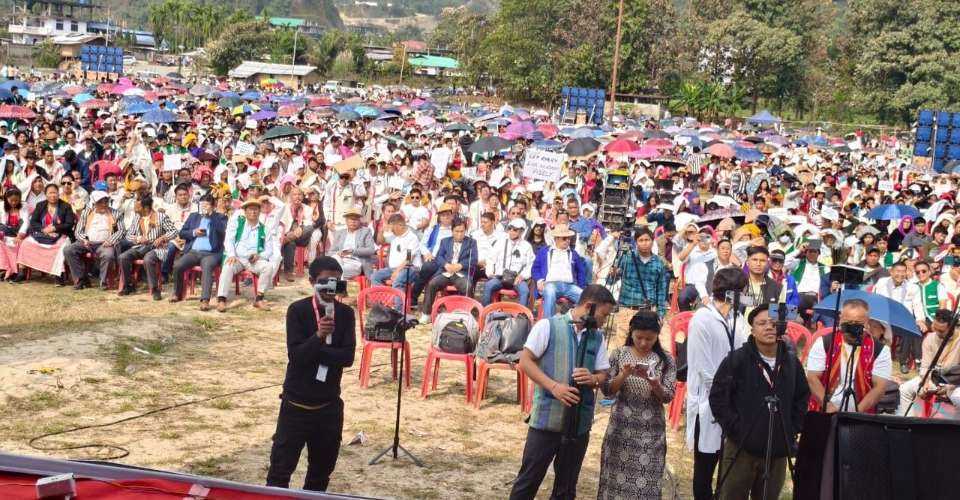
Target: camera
point(854, 330)
point(331, 286)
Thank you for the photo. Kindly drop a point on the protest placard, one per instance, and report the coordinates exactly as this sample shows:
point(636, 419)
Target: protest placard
point(244, 149)
point(440, 158)
point(885, 186)
point(543, 165)
point(172, 162)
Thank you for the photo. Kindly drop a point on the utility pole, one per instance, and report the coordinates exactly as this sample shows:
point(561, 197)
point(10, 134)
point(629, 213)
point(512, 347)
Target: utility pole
point(403, 61)
point(616, 63)
point(293, 60)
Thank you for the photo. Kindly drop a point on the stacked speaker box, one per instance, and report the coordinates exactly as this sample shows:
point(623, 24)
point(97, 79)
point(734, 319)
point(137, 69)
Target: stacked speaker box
point(938, 137)
point(102, 59)
point(589, 101)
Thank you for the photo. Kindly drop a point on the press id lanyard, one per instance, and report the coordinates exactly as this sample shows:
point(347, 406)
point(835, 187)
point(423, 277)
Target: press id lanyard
point(321, 369)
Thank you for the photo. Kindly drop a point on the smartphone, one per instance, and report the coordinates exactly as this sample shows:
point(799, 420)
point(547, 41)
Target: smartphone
point(203, 232)
point(641, 368)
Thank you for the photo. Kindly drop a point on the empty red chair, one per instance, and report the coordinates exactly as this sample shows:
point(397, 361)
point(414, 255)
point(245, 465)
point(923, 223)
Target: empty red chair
point(679, 323)
point(389, 297)
point(484, 367)
point(797, 333)
point(431, 369)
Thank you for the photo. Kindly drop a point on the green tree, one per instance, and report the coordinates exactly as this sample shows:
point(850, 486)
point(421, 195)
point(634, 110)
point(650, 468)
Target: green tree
point(46, 55)
point(246, 41)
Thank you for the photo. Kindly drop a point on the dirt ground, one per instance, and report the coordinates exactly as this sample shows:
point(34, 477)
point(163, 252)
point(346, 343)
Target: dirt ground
point(79, 358)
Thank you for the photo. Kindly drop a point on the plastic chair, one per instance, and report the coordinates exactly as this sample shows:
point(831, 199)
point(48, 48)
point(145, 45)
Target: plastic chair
point(190, 280)
point(827, 330)
point(386, 296)
point(484, 367)
point(679, 323)
point(797, 332)
point(431, 369)
point(501, 294)
point(560, 300)
point(137, 268)
point(300, 260)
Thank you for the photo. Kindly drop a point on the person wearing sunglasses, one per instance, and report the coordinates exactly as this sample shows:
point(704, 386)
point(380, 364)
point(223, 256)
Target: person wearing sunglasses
point(931, 295)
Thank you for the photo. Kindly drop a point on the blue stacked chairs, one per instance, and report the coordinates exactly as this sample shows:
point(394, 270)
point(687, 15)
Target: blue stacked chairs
point(943, 133)
point(953, 152)
point(924, 133)
point(921, 149)
point(925, 117)
point(943, 118)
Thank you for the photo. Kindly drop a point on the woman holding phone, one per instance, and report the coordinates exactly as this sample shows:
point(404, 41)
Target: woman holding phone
point(642, 378)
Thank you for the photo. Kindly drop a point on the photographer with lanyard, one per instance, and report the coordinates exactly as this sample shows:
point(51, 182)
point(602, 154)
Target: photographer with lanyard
point(715, 330)
point(645, 280)
point(321, 342)
point(566, 357)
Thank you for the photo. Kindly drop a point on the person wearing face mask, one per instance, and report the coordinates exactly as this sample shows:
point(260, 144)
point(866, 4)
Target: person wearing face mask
point(701, 264)
point(829, 357)
point(203, 234)
point(321, 342)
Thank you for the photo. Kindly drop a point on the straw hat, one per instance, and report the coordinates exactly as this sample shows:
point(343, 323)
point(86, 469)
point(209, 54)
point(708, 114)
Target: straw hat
point(253, 202)
point(562, 231)
point(352, 212)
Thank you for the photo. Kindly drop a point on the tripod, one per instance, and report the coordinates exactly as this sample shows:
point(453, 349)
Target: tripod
point(400, 336)
point(772, 403)
point(848, 394)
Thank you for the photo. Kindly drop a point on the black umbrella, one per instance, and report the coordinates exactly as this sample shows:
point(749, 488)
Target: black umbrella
point(280, 132)
point(754, 139)
point(669, 160)
point(582, 147)
point(490, 145)
point(457, 127)
point(714, 217)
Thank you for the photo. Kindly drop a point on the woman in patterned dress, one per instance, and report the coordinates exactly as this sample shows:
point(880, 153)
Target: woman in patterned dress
point(642, 377)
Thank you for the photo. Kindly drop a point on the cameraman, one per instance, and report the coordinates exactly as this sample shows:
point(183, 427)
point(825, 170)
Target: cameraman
point(549, 359)
point(931, 343)
point(871, 369)
point(738, 399)
point(645, 280)
point(319, 347)
point(710, 337)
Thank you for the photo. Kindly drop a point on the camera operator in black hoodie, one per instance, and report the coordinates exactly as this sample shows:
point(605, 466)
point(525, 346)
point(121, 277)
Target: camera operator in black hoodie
point(739, 396)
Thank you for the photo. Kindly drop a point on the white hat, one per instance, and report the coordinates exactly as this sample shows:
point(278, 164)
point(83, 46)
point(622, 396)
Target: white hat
point(517, 223)
point(97, 196)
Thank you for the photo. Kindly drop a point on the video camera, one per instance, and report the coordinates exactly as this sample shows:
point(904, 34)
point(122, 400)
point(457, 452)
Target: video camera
point(330, 286)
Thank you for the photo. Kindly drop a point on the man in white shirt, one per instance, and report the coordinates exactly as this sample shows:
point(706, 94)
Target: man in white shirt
point(337, 198)
point(417, 215)
point(512, 254)
point(827, 389)
point(487, 237)
point(715, 330)
point(700, 260)
point(404, 249)
point(249, 246)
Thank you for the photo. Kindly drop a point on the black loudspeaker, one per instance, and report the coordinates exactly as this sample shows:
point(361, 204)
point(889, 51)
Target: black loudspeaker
point(850, 456)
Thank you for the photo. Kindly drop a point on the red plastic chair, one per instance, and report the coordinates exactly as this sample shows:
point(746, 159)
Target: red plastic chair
point(431, 369)
point(501, 294)
point(484, 367)
point(190, 280)
point(300, 260)
point(679, 323)
point(560, 300)
point(827, 330)
point(387, 296)
point(245, 274)
point(137, 269)
point(798, 332)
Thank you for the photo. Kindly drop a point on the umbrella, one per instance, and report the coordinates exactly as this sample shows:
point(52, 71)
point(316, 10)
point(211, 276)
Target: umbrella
point(645, 153)
point(891, 212)
point(763, 118)
point(6, 95)
point(105, 167)
point(250, 95)
point(659, 143)
point(348, 116)
point(747, 154)
point(425, 121)
point(583, 133)
point(457, 127)
point(755, 181)
point(288, 111)
point(621, 146)
point(367, 111)
point(657, 134)
point(489, 145)
point(549, 130)
point(713, 217)
point(280, 132)
point(200, 90)
point(82, 98)
point(721, 150)
point(16, 112)
point(579, 148)
point(882, 308)
point(520, 129)
point(134, 91)
point(10, 84)
point(264, 114)
point(139, 108)
point(229, 102)
point(669, 160)
point(159, 116)
point(548, 144)
point(94, 103)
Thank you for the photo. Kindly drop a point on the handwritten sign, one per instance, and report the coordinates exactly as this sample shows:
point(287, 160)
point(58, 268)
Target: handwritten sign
point(440, 158)
point(172, 163)
point(315, 139)
point(830, 213)
point(244, 149)
point(541, 165)
point(885, 186)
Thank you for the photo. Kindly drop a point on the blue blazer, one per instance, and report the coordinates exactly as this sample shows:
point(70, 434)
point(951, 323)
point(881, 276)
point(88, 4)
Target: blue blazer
point(542, 264)
point(467, 259)
point(217, 232)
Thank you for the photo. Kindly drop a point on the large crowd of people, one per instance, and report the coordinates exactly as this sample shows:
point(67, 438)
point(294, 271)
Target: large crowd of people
point(153, 184)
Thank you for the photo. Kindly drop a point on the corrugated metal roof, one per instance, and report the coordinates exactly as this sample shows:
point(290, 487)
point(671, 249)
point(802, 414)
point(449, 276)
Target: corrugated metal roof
point(435, 62)
point(246, 69)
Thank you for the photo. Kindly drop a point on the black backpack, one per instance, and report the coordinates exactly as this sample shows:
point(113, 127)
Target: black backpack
point(503, 337)
point(381, 323)
point(455, 338)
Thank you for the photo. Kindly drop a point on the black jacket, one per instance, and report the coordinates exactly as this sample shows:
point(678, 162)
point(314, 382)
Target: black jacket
point(66, 219)
point(306, 352)
point(769, 291)
point(738, 398)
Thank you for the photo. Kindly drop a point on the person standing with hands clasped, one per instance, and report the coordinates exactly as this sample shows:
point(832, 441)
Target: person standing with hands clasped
point(550, 357)
point(321, 342)
point(642, 377)
point(762, 368)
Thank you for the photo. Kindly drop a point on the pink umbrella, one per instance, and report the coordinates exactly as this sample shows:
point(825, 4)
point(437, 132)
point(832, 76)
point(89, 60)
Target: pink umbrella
point(73, 89)
point(16, 112)
point(548, 130)
point(746, 145)
point(659, 143)
point(425, 121)
point(721, 150)
point(287, 111)
point(645, 153)
point(417, 102)
point(95, 103)
point(521, 129)
point(621, 146)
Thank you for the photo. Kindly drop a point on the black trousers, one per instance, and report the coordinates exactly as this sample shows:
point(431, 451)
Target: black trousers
point(320, 431)
point(543, 447)
point(704, 464)
point(423, 277)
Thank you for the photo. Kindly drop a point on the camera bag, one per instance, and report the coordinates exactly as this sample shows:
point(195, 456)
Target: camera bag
point(381, 323)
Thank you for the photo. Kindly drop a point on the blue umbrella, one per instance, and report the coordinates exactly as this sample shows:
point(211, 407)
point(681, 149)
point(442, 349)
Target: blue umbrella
point(548, 144)
point(817, 140)
point(10, 84)
point(139, 108)
point(882, 308)
point(82, 98)
point(229, 94)
point(250, 95)
point(747, 154)
point(582, 133)
point(159, 116)
point(6, 95)
point(367, 111)
point(891, 212)
point(264, 114)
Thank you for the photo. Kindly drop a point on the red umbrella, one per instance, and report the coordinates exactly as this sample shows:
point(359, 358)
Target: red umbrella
point(317, 101)
point(73, 89)
point(721, 150)
point(548, 130)
point(645, 153)
point(631, 134)
point(621, 146)
point(16, 112)
point(746, 145)
point(659, 143)
point(288, 111)
point(95, 103)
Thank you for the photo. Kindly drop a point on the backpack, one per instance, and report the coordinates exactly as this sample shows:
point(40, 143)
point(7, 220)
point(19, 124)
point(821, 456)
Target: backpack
point(461, 324)
point(381, 323)
point(503, 337)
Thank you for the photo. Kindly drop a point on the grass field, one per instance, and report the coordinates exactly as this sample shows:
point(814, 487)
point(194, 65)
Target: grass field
point(80, 358)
